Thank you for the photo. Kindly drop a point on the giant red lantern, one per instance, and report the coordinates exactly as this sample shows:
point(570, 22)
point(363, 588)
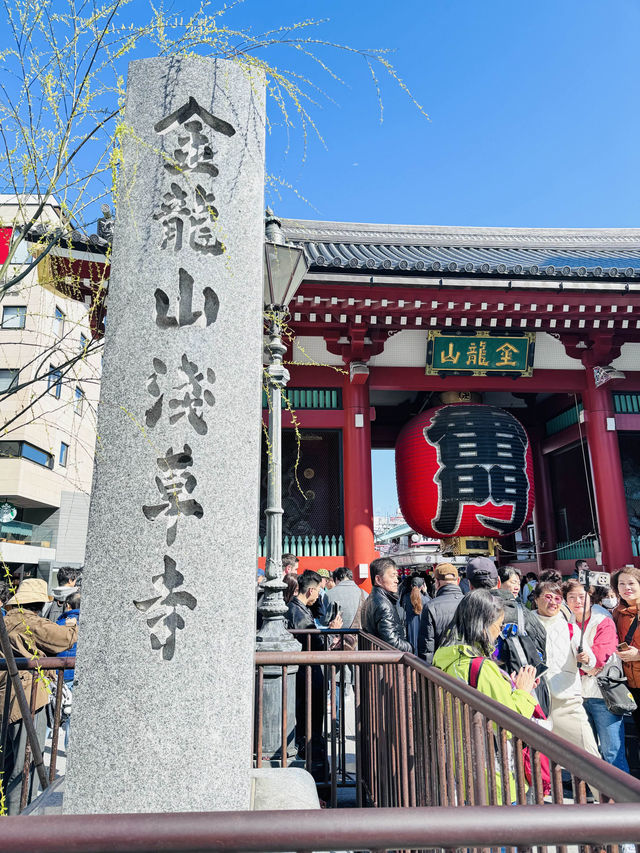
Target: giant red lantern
point(465, 470)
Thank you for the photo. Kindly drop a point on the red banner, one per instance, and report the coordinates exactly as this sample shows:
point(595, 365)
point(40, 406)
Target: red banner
point(5, 242)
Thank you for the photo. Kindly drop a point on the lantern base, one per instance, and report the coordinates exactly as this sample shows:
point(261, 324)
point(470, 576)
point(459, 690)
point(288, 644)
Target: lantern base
point(476, 546)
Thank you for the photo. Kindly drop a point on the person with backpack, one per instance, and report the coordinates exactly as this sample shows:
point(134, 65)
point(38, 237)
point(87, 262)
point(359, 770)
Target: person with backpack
point(467, 653)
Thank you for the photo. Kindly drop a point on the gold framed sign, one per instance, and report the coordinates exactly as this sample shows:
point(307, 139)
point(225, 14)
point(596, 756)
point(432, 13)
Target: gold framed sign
point(480, 353)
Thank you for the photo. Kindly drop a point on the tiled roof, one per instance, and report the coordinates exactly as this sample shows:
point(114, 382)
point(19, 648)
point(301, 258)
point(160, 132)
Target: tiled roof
point(590, 253)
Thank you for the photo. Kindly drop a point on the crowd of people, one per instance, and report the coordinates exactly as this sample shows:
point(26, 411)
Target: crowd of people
point(542, 640)
point(541, 644)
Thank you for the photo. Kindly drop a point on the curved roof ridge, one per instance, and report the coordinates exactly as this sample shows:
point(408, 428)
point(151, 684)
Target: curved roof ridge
point(312, 230)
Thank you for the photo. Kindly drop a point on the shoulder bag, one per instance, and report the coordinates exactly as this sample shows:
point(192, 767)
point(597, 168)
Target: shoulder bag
point(613, 683)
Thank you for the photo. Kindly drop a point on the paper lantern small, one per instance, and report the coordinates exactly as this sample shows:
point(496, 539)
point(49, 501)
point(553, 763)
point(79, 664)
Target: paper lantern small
point(465, 470)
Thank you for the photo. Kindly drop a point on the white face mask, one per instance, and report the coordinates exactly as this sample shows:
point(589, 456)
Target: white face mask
point(610, 602)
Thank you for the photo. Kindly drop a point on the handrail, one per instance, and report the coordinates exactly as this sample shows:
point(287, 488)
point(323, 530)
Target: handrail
point(345, 829)
point(41, 663)
point(620, 785)
point(331, 658)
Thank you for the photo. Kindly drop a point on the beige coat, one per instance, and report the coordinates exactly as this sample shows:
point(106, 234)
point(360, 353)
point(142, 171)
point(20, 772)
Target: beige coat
point(32, 636)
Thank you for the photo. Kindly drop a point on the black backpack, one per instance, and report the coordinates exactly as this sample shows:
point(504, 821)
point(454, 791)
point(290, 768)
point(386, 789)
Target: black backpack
point(517, 649)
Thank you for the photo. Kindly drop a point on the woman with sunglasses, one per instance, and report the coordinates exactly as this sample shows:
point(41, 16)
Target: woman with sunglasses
point(568, 716)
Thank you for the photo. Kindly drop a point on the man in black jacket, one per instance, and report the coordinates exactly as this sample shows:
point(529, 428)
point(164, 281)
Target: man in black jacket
point(379, 614)
point(438, 613)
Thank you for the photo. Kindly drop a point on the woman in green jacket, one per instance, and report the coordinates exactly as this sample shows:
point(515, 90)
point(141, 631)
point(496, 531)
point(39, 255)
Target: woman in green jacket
point(473, 634)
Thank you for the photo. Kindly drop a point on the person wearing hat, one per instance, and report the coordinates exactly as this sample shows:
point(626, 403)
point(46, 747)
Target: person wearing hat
point(483, 574)
point(31, 637)
point(438, 613)
point(321, 609)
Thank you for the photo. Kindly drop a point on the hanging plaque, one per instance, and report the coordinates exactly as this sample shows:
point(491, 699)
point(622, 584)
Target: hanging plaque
point(480, 353)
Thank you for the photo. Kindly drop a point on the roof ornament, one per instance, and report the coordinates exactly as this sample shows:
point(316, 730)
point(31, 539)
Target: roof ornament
point(273, 227)
point(105, 224)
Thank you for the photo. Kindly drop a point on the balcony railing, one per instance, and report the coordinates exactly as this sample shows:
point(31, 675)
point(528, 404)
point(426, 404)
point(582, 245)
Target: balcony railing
point(22, 533)
point(307, 546)
point(582, 549)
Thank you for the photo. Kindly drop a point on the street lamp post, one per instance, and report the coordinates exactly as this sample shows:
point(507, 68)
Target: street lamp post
point(284, 269)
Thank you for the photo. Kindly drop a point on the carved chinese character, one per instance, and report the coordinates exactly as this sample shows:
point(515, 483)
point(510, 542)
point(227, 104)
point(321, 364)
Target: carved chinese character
point(477, 354)
point(164, 620)
point(195, 396)
point(174, 484)
point(183, 314)
point(195, 149)
point(507, 351)
point(477, 468)
point(190, 401)
point(189, 216)
point(450, 355)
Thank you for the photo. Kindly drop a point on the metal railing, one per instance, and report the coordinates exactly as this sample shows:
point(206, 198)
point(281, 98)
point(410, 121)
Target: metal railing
point(33, 764)
point(350, 829)
point(420, 743)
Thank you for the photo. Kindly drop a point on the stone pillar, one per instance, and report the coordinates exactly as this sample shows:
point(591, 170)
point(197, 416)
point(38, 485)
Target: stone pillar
point(162, 717)
point(606, 467)
point(356, 449)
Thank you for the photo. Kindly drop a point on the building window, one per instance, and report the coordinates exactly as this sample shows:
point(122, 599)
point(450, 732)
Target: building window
point(64, 450)
point(24, 450)
point(79, 398)
point(54, 383)
point(8, 379)
point(10, 449)
point(58, 323)
point(14, 316)
point(84, 342)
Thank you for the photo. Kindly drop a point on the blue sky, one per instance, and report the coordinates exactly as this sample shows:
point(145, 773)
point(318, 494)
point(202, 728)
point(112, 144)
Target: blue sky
point(533, 121)
point(533, 117)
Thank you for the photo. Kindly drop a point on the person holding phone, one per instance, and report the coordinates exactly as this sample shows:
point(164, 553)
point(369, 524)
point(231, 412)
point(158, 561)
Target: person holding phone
point(466, 653)
point(599, 642)
point(568, 715)
point(626, 583)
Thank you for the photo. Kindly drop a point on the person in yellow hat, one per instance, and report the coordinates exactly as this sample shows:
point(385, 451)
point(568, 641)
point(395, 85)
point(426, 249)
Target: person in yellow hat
point(31, 636)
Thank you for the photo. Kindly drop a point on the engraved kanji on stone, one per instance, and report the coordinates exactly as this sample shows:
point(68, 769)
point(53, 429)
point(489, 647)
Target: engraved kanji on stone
point(189, 216)
point(169, 316)
point(192, 397)
point(175, 484)
point(164, 619)
point(479, 462)
point(192, 402)
point(195, 150)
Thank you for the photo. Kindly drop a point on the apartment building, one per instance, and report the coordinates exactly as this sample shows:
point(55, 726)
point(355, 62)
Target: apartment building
point(50, 363)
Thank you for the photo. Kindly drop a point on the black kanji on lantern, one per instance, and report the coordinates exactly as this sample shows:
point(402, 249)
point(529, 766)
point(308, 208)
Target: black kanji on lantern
point(482, 453)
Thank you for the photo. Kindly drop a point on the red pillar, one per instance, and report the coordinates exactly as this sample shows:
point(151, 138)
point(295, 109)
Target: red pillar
point(608, 483)
point(358, 496)
point(543, 517)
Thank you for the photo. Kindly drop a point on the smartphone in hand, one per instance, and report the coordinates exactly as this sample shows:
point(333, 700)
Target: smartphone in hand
point(623, 647)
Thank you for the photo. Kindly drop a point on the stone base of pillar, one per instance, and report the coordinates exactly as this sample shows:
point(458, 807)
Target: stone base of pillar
point(272, 713)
